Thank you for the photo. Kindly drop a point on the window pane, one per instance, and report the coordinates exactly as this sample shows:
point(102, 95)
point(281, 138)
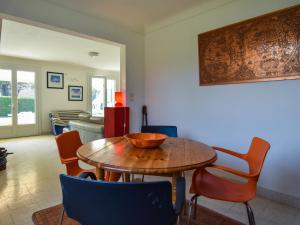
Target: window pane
point(5, 98)
point(26, 97)
point(98, 88)
point(111, 89)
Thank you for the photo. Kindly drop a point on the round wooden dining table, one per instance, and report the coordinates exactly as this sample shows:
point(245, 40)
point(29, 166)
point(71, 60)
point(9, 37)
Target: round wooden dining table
point(171, 158)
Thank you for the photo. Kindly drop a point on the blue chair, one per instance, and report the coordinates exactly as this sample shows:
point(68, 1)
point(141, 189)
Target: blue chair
point(92, 202)
point(171, 131)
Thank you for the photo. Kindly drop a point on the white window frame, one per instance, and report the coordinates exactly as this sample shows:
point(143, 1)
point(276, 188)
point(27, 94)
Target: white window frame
point(90, 91)
point(116, 85)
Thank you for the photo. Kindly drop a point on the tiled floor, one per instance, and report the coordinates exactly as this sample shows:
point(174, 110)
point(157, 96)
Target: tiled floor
point(31, 183)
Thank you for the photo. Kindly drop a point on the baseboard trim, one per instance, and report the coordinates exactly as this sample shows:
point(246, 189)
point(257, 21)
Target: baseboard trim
point(46, 133)
point(279, 197)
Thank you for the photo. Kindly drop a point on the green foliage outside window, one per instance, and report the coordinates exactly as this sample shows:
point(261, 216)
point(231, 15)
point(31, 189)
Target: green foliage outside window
point(24, 105)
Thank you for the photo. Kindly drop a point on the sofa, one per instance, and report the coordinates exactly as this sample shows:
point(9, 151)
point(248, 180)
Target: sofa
point(88, 131)
point(60, 119)
point(89, 128)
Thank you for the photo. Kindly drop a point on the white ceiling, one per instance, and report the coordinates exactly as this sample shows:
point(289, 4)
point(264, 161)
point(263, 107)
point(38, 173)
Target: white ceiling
point(26, 41)
point(135, 14)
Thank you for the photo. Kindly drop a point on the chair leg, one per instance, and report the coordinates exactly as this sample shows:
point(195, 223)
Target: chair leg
point(61, 219)
point(192, 206)
point(178, 220)
point(185, 208)
point(250, 214)
point(195, 207)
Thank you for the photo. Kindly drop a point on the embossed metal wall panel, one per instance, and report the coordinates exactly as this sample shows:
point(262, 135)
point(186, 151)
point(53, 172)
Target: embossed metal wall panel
point(260, 49)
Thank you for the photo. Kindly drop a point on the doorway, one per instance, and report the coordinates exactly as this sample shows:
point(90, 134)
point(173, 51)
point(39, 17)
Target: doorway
point(61, 51)
point(18, 102)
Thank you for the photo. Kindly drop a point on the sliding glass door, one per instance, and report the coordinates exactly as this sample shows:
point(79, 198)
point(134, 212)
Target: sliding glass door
point(26, 98)
point(6, 111)
point(18, 103)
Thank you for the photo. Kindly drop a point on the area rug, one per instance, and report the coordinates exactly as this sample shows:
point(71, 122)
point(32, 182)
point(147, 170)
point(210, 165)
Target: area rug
point(50, 216)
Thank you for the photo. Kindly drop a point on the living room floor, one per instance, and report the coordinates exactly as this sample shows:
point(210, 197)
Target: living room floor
point(30, 183)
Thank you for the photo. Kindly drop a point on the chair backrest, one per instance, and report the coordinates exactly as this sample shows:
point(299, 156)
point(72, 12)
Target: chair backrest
point(171, 131)
point(93, 202)
point(67, 144)
point(256, 155)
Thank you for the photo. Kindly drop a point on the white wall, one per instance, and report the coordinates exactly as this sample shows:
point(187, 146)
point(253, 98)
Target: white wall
point(53, 15)
point(223, 115)
point(57, 99)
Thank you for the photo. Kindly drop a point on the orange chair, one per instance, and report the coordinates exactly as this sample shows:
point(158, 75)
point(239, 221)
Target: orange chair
point(67, 144)
point(206, 184)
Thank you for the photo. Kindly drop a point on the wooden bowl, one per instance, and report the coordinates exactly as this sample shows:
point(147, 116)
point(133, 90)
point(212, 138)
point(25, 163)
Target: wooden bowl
point(146, 140)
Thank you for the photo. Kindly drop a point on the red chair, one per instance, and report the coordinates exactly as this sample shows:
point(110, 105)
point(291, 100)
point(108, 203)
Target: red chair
point(206, 184)
point(67, 144)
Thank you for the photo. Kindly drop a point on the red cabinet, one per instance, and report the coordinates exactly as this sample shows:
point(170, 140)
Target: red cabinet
point(116, 121)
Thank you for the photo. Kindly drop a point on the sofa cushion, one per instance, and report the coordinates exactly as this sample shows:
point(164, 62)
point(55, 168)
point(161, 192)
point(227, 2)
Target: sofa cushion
point(97, 119)
point(87, 126)
point(84, 116)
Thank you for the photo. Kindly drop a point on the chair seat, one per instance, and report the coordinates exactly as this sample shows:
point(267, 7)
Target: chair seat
point(82, 171)
point(73, 168)
point(212, 186)
point(109, 176)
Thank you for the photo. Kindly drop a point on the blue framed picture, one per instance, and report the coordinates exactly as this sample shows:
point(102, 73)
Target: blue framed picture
point(55, 80)
point(75, 93)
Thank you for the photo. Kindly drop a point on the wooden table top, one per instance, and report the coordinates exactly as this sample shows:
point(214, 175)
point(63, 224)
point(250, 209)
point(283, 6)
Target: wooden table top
point(174, 155)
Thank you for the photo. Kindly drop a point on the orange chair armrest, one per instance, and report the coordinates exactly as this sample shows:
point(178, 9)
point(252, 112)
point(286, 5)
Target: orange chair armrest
point(69, 160)
point(230, 152)
point(233, 171)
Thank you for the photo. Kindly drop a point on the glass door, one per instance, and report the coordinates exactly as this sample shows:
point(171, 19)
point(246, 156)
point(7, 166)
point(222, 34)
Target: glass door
point(98, 95)
point(111, 89)
point(5, 98)
point(26, 97)
point(17, 103)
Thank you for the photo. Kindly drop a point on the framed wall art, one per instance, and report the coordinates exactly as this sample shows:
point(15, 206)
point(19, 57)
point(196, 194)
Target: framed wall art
point(55, 80)
point(75, 93)
point(263, 48)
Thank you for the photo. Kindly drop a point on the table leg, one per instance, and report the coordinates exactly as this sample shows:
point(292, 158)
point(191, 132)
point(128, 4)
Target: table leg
point(100, 173)
point(174, 180)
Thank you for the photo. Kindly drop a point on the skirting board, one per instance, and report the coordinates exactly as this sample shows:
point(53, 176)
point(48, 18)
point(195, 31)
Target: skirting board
point(279, 197)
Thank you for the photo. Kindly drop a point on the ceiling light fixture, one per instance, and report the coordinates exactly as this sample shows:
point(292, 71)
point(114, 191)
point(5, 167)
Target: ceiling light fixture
point(93, 54)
